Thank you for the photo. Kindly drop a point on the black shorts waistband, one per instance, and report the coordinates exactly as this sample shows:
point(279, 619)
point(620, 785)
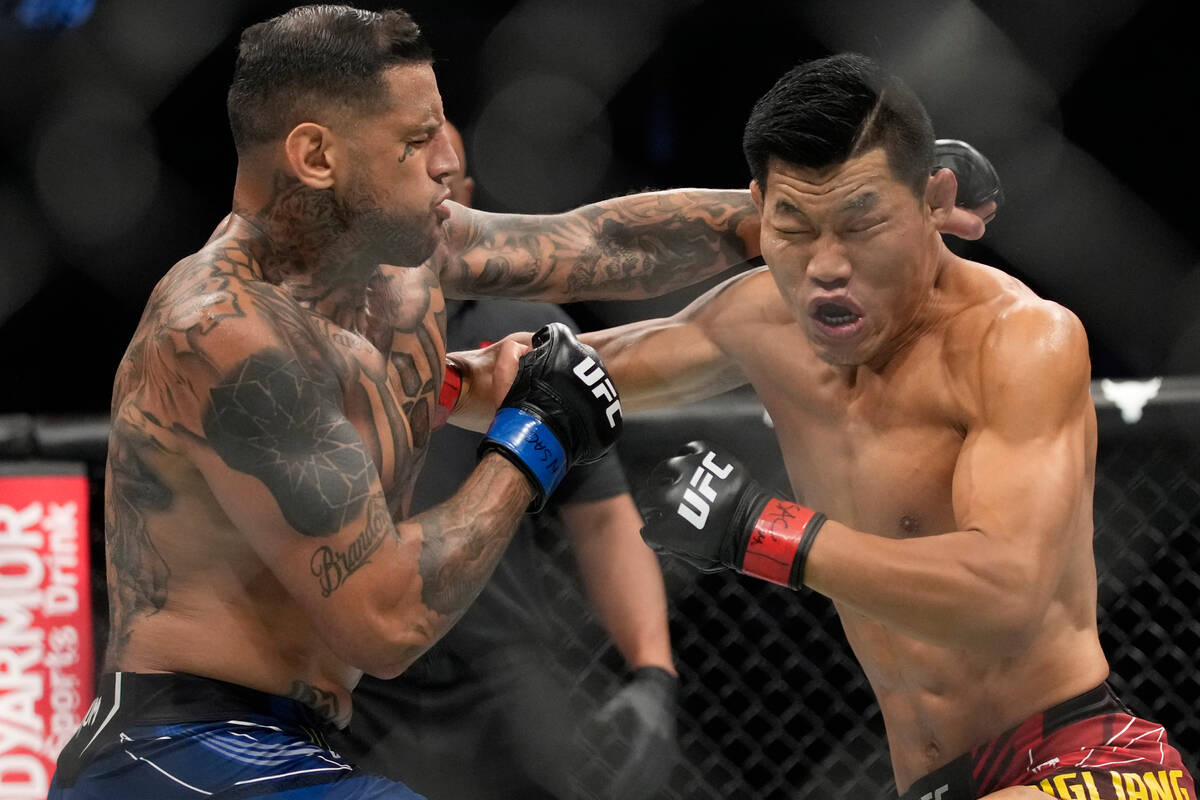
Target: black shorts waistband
point(128, 700)
point(167, 698)
point(1092, 703)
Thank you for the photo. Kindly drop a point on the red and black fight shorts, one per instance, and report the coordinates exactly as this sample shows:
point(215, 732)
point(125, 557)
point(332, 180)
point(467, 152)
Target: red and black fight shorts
point(1090, 747)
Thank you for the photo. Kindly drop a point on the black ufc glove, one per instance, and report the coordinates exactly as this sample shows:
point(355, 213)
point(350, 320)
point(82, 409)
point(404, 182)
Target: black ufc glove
point(977, 179)
point(639, 723)
point(561, 410)
point(703, 506)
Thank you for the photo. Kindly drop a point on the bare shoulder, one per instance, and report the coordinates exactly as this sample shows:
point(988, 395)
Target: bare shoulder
point(1035, 332)
point(1022, 349)
point(207, 315)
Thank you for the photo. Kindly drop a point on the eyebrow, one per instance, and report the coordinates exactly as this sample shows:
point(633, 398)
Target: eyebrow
point(862, 202)
point(422, 128)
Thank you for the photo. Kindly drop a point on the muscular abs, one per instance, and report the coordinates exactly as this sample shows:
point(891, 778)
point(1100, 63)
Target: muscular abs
point(187, 593)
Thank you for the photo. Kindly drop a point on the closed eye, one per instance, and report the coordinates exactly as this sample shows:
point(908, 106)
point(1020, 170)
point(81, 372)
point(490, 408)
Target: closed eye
point(863, 226)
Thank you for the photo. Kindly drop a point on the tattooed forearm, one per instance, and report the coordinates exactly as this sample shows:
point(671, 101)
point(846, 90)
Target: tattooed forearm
point(272, 419)
point(638, 246)
point(332, 567)
point(463, 538)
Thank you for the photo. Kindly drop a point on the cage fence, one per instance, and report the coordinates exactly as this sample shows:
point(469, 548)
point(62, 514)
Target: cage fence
point(773, 704)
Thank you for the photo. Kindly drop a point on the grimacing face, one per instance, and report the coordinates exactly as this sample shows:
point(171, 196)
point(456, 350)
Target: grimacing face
point(852, 251)
point(394, 185)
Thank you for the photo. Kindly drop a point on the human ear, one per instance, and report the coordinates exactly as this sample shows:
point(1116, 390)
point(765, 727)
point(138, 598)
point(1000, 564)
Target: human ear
point(311, 153)
point(940, 191)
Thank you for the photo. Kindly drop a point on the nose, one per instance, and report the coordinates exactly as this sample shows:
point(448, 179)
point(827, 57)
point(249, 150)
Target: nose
point(829, 268)
point(443, 161)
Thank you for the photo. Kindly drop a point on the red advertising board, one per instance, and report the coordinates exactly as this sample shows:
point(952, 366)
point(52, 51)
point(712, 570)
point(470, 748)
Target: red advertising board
point(45, 624)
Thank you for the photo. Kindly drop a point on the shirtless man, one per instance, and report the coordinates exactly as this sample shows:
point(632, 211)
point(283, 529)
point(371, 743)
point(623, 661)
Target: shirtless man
point(936, 415)
point(273, 409)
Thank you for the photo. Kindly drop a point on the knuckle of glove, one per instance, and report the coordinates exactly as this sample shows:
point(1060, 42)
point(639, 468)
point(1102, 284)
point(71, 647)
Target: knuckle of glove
point(978, 181)
point(564, 383)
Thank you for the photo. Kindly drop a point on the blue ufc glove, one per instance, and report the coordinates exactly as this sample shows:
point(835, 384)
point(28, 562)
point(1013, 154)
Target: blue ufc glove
point(561, 410)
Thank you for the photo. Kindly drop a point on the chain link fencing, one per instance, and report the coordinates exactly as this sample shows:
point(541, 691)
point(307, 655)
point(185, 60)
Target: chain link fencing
point(774, 704)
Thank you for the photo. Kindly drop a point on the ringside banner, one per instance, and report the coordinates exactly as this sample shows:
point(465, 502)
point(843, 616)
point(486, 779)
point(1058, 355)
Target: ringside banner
point(45, 621)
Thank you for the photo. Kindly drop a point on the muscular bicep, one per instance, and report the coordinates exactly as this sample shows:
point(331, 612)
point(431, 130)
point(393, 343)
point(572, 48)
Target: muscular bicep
point(294, 476)
point(630, 247)
point(296, 479)
point(1023, 478)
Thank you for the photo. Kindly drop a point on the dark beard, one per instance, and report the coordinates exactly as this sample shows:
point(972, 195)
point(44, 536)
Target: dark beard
point(405, 240)
point(339, 238)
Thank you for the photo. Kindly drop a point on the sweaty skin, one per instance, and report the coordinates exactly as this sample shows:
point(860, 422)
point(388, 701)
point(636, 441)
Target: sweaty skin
point(947, 431)
point(273, 408)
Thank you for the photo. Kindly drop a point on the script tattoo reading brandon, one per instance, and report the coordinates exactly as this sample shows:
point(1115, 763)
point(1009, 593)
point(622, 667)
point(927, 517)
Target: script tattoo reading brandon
point(332, 567)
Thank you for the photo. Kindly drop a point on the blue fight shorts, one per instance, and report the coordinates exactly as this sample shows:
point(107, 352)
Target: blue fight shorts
point(169, 735)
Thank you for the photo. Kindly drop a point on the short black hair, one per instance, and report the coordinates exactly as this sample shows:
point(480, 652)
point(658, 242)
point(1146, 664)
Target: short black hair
point(315, 59)
point(827, 111)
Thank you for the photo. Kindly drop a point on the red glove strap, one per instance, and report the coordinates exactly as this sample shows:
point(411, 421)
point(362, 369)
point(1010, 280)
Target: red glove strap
point(778, 538)
point(451, 389)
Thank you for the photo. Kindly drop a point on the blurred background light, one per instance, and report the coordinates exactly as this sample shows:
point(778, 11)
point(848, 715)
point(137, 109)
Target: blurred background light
point(117, 161)
point(24, 256)
point(542, 143)
point(95, 165)
point(53, 13)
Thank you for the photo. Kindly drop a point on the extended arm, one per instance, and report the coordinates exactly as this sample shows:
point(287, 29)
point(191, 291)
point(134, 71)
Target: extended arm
point(638, 246)
point(683, 358)
point(648, 244)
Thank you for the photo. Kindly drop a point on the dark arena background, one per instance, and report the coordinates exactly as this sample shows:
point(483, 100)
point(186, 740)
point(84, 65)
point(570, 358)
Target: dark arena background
point(116, 161)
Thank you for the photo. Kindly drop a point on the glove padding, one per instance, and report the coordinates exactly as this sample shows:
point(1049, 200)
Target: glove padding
point(562, 409)
point(639, 731)
point(702, 506)
point(699, 506)
point(978, 182)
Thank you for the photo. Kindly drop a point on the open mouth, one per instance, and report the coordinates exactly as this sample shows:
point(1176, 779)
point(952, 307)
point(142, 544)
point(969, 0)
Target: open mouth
point(835, 315)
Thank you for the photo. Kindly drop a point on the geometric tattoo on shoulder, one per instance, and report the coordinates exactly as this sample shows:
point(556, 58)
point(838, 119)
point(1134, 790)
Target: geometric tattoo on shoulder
point(270, 419)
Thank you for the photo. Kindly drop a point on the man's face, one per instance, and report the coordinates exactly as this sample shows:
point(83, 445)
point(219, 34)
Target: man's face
point(851, 250)
point(394, 185)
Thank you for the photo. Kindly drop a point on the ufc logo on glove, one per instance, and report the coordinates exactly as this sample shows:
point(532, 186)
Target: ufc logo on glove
point(695, 505)
point(592, 374)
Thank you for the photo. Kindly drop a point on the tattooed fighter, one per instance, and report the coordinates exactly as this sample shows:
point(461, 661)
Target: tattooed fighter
point(274, 406)
point(934, 416)
point(275, 403)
